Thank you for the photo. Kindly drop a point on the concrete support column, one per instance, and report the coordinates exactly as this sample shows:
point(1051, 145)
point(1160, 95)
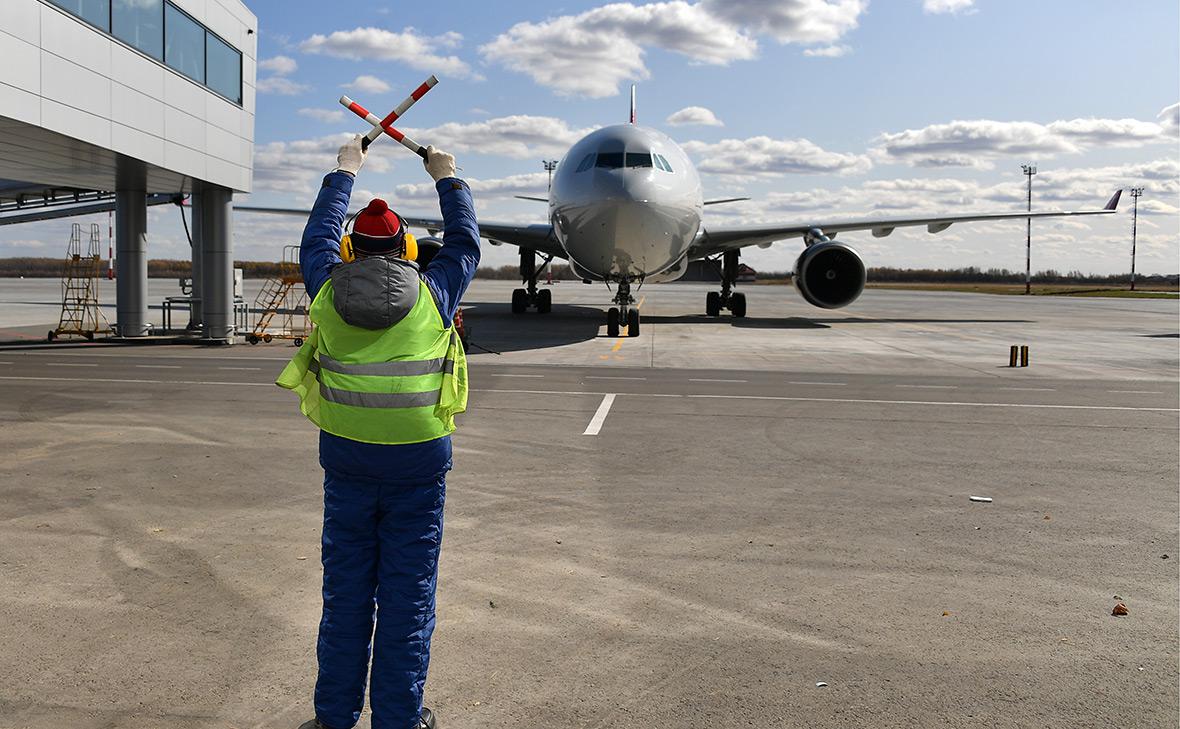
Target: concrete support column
point(196, 227)
point(131, 262)
point(217, 263)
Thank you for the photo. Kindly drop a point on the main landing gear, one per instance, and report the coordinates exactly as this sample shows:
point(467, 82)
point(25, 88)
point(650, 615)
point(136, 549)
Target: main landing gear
point(726, 298)
point(523, 299)
point(623, 314)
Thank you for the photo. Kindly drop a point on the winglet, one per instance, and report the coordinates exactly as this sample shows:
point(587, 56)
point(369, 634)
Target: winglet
point(1113, 203)
point(632, 103)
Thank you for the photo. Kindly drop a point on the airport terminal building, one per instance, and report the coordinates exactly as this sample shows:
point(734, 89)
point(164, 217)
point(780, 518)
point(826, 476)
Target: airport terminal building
point(122, 103)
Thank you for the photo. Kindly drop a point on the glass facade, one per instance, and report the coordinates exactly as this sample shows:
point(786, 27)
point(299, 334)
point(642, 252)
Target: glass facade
point(223, 67)
point(185, 46)
point(139, 23)
point(95, 12)
point(166, 33)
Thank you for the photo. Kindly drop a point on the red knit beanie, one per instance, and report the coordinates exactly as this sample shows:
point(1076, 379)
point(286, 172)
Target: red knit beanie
point(377, 229)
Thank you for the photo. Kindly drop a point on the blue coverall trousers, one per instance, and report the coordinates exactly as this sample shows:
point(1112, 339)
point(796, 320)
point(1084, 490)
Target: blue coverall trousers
point(381, 540)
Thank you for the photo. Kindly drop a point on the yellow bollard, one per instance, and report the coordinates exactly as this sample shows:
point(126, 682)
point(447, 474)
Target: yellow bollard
point(1024, 355)
point(1012, 356)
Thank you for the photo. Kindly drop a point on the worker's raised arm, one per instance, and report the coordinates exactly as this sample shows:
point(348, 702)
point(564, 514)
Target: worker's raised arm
point(319, 250)
point(453, 267)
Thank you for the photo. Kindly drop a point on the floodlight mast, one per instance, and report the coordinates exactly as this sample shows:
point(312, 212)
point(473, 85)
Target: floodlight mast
point(1135, 193)
point(1029, 171)
point(550, 165)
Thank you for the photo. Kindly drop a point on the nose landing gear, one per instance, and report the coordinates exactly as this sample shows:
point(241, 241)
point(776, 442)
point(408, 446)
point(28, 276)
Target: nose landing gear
point(523, 299)
point(623, 313)
point(727, 299)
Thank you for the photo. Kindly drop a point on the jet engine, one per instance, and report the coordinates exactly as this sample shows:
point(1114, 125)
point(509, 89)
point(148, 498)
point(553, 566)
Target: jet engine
point(428, 246)
point(829, 275)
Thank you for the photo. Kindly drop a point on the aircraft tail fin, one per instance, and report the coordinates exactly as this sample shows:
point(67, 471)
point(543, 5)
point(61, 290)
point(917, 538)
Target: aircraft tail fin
point(632, 103)
point(1113, 203)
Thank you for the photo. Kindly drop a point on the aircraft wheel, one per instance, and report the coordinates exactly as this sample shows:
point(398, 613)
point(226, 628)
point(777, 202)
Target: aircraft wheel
point(544, 301)
point(612, 322)
point(737, 305)
point(520, 301)
point(633, 323)
point(712, 304)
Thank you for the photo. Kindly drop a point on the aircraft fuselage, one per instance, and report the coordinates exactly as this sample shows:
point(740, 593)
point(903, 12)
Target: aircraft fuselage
point(626, 205)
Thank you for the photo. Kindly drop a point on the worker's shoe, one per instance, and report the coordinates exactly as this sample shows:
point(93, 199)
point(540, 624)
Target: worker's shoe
point(425, 721)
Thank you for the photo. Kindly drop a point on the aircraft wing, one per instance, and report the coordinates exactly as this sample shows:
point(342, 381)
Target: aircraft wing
point(538, 237)
point(714, 240)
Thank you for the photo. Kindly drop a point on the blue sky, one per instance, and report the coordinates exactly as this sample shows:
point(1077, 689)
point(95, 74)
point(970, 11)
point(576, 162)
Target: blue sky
point(825, 109)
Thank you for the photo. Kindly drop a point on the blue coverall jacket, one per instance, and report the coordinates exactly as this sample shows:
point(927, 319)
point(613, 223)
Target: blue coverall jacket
point(383, 505)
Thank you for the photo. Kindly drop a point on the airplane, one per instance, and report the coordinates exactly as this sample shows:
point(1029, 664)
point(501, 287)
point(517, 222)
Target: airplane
point(626, 207)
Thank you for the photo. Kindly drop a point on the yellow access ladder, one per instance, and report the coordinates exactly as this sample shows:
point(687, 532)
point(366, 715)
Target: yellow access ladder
point(282, 296)
point(80, 314)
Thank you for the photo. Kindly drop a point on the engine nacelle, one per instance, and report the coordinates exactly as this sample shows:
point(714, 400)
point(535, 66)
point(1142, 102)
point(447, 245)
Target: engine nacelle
point(830, 275)
point(428, 246)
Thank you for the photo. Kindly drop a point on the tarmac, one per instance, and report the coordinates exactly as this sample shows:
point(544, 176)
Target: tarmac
point(695, 527)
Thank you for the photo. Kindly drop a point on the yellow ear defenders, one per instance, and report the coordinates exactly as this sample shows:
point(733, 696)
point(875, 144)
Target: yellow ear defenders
point(410, 245)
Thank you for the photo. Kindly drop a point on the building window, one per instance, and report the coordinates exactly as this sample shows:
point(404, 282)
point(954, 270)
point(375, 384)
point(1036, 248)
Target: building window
point(184, 47)
point(95, 12)
point(140, 23)
point(168, 34)
point(224, 68)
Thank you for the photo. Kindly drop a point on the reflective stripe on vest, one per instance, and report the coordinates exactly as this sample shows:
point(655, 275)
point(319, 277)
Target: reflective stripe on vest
point(398, 385)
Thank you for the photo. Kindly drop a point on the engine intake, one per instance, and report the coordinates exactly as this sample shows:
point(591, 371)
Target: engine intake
point(830, 275)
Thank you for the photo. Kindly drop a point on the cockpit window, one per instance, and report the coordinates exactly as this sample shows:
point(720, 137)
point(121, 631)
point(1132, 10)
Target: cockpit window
point(664, 162)
point(610, 155)
point(586, 163)
point(639, 159)
point(610, 160)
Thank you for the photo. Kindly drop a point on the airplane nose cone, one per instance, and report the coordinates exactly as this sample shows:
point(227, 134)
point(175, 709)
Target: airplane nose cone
point(625, 236)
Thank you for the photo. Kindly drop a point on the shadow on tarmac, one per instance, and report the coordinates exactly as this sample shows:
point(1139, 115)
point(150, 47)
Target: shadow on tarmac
point(493, 326)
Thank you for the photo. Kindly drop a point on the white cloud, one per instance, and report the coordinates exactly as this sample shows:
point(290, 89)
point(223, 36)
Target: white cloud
point(518, 136)
point(281, 85)
point(694, 115)
point(408, 47)
point(791, 21)
point(827, 51)
point(368, 84)
point(533, 183)
point(592, 53)
point(297, 166)
point(947, 6)
point(771, 157)
point(1169, 119)
point(279, 65)
point(978, 143)
point(277, 83)
point(1106, 132)
point(328, 116)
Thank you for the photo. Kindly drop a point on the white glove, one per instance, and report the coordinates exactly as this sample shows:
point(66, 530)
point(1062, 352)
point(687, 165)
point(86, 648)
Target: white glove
point(439, 164)
point(351, 156)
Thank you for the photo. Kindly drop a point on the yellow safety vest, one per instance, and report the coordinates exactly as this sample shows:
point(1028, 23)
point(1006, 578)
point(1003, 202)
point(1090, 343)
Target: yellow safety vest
point(402, 384)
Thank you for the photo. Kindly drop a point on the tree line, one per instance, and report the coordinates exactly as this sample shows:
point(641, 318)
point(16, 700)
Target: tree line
point(164, 268)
